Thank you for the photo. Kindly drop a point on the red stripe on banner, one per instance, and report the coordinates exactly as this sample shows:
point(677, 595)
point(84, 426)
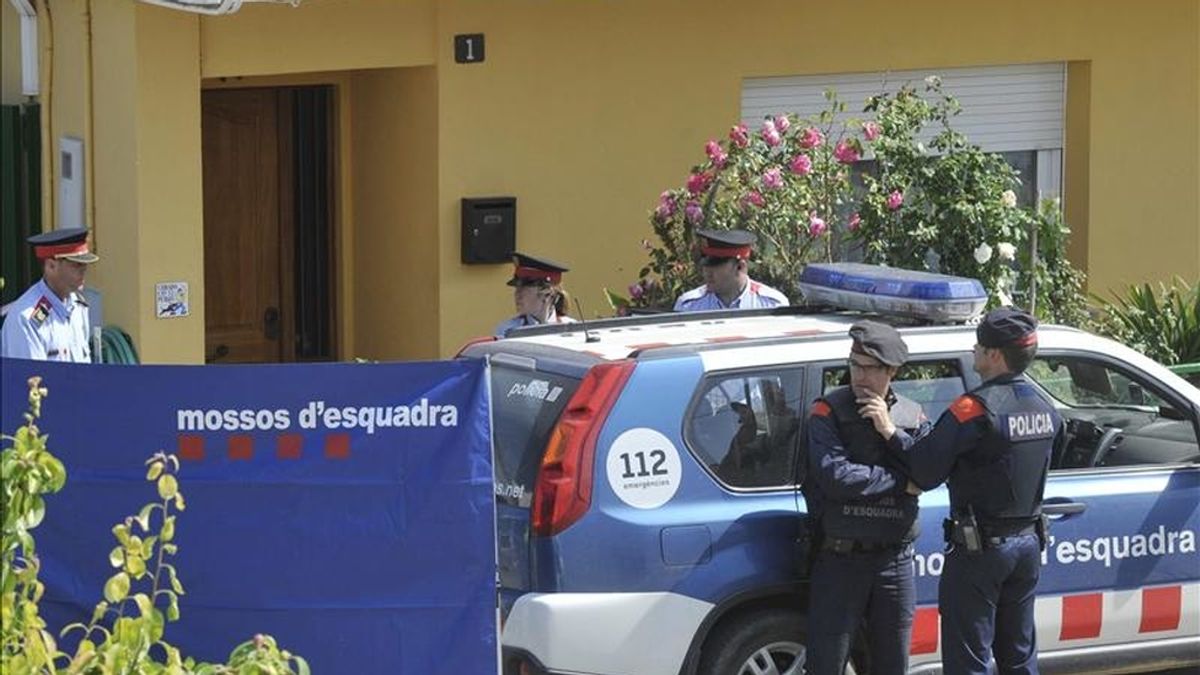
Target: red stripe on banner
point(925, 631)
point(1161, 608)
point(241, 447)
point(191, 448)
point(1081, 616)
point(726, 338)
point(801, 333)
point(288, 446)
point(337, 446)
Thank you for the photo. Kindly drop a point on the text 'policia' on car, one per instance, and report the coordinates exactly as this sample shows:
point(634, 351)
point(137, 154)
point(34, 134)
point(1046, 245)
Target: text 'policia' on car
point(647, 485)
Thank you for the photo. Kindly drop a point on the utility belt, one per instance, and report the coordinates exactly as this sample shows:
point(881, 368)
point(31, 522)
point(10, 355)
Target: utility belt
point(966, 531)
point(847, 546)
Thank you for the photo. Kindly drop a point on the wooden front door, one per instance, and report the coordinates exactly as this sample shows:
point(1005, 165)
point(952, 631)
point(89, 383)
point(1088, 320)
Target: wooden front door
point(244, 299)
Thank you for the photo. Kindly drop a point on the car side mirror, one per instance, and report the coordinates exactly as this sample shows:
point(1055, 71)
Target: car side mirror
point(1170, 413)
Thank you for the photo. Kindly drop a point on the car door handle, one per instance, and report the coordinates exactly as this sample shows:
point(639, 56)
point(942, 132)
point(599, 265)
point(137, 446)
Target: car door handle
point(1060, 509)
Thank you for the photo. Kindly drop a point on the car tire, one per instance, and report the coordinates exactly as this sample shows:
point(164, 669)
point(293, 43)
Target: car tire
point(771, 639)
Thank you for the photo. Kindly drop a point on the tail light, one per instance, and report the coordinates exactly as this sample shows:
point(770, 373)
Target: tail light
point(563, 491)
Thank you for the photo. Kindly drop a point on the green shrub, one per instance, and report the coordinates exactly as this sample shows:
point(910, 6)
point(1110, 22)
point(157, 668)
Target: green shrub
point(1164, 326)
point(125, 633)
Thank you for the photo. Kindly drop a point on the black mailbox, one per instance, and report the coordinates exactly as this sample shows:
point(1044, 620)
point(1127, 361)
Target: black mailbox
point(489, 229)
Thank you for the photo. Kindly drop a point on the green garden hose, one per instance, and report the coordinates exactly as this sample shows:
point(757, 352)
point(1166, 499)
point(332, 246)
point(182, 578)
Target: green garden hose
point(117, 346)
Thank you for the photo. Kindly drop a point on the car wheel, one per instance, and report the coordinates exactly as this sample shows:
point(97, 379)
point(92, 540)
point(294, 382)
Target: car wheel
point(766, 642)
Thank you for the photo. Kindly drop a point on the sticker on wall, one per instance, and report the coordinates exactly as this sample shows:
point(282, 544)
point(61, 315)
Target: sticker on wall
point(171, 299)
point(643, 468)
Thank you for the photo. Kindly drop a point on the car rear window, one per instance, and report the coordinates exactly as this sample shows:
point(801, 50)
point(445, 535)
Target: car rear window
point(525, 406)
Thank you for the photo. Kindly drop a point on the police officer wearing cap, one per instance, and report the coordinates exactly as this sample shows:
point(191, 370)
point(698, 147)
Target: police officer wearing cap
point(992, 447)
point(863, 517)
point(724, 262)
point(537, 293)
point(49, 322)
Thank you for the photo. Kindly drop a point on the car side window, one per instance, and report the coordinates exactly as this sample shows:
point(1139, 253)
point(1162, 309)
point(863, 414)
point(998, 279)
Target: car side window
point(933, 384)
point(744, 427)
point(1114, 415)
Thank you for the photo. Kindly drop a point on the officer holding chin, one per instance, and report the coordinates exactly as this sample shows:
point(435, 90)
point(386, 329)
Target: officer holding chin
point(863, 515)
point(992, 447)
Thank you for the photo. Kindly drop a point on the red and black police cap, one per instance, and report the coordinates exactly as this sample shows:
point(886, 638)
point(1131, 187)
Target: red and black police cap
point(1005, 327)
point(69, 243)
point(880, 341)
point(529, 270)
point(718, 246)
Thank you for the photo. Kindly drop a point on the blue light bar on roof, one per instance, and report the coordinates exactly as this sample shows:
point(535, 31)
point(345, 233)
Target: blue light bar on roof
point(893, 291)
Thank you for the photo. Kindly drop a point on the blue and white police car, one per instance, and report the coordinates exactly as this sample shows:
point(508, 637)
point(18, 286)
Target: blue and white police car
point(648, 504)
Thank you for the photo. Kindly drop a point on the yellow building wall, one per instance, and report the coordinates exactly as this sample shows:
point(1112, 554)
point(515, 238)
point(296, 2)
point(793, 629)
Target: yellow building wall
point(319, 35)
point(586, 111)
point(395, 160)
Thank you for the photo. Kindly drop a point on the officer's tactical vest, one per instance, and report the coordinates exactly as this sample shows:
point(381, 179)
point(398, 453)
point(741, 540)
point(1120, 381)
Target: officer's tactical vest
point(1002, 478)
point(887, 519)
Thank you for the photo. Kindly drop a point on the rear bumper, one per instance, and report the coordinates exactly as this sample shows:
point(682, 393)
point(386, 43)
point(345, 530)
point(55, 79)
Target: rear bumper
point(602, 633)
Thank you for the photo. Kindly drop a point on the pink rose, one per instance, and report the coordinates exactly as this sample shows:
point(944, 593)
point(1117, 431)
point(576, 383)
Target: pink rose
point(756, 199)
point(698, 182)
point(693, 212)
point(816, 226)
point(801, 165)
point(872, 130)
point(895, 199)
point(666, 205)
point(636, 291)
point(845, 152)
point(854, 223)
point(716, 154)
point(770, 134)
point(772, 179)
point(811, 138)
point(782, 123)
point(740, 135)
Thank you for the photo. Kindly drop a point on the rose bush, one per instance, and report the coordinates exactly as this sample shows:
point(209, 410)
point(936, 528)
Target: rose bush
point(949, 207)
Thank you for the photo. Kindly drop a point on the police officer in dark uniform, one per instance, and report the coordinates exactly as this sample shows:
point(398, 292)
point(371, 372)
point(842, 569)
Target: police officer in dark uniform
point(860, 507)
point(993, 448)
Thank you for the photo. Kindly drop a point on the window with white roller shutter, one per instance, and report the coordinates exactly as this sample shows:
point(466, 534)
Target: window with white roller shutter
point(1016, 110)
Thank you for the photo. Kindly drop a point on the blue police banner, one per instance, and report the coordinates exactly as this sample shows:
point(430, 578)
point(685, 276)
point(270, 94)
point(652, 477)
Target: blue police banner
point(345, 509)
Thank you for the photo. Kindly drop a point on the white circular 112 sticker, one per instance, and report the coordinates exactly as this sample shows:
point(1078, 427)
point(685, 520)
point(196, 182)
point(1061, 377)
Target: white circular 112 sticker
point(643, 468)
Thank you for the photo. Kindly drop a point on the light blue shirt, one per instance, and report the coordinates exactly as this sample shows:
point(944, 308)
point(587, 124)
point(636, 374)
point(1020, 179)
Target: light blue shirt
point(526, 320)
point(755, 295)
point(42, 327)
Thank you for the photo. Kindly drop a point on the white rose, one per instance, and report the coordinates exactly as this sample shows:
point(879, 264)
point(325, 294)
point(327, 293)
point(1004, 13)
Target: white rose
point(1006, 251)
point(983, 253)
point(1009, 198)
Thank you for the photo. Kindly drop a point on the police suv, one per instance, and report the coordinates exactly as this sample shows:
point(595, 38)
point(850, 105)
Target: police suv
point(648, 503)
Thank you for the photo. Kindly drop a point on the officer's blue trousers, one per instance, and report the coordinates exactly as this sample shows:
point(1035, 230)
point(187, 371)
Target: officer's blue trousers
point(845, 589)
point(986, 603)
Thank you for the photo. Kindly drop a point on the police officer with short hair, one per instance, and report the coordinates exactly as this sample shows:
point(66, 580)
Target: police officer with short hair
point(863, 516)
point(537, 293)
point(724, 262)
point(49, 322)
point(993, 448)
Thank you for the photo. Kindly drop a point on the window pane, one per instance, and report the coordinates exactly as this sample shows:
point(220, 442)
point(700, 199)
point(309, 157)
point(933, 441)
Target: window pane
point(744, 427)
point(1114, 416)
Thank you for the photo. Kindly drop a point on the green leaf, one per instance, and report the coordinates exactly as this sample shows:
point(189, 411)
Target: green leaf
point(145, 606)
point(168, 529)
point(135, 565)
point(143, 516)
point(173, 609)
point(167, 486)
point(98, 613)
point(117, 587)
point(154, 471)
point(116, 557)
